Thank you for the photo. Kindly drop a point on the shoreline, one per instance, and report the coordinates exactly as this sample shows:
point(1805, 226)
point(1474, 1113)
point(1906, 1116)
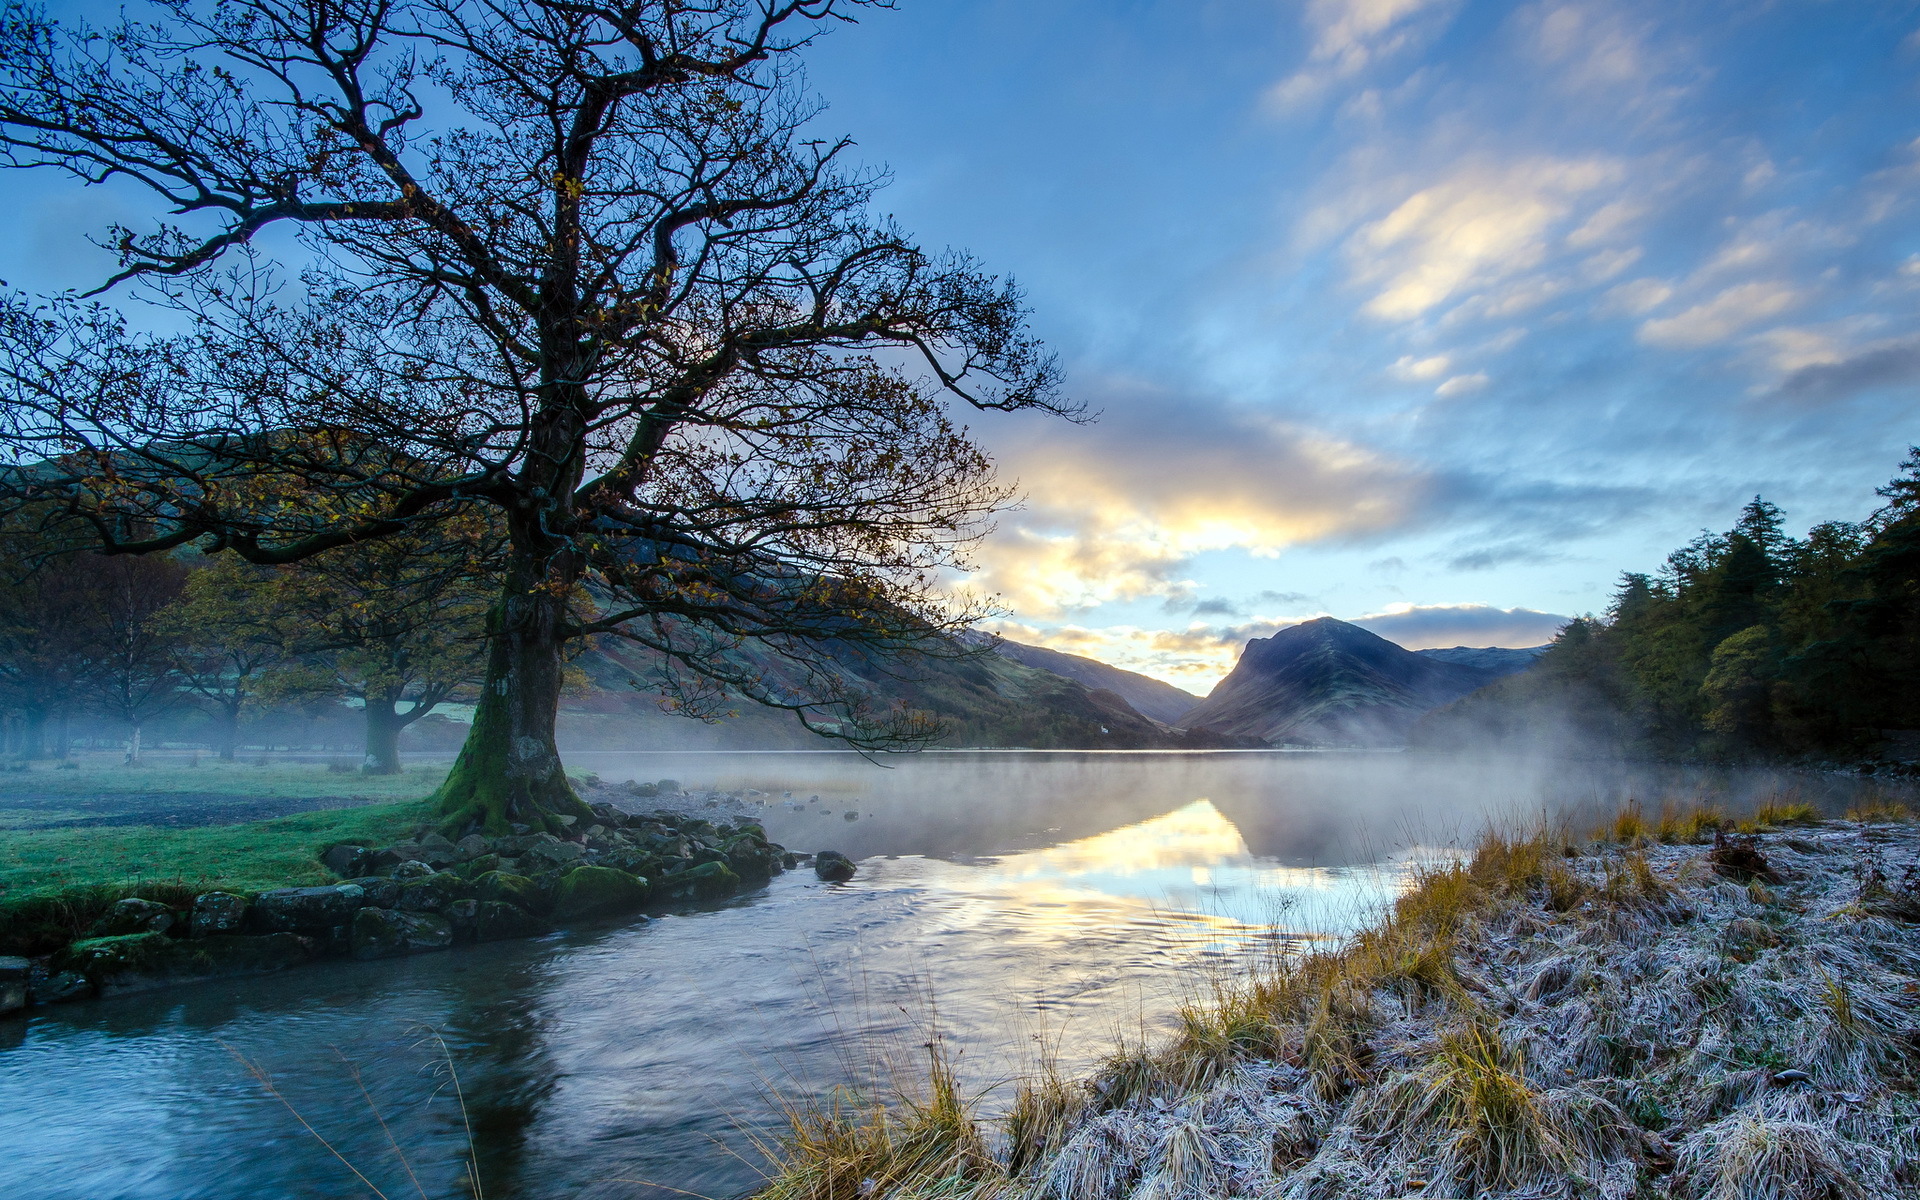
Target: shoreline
point(1674, 1009)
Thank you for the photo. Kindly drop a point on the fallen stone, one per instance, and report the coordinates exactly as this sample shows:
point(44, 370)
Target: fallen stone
point(598, 892)
point(14, 974)
point(309, 909)
point(217, 912)
point(390, 933)
point(833, 866)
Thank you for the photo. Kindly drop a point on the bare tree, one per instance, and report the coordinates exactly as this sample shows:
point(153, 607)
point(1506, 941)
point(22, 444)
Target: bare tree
point(580, 260)
point(128, 672)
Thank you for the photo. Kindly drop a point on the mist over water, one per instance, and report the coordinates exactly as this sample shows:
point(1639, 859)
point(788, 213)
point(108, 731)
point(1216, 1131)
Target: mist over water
point(1004, 902)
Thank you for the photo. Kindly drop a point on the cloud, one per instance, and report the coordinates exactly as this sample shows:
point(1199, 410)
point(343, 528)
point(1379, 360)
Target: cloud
point(1636, 297)
point(1733, 310)
point(1349, 36)
point(1478, 227)
point(1415, 370)
point(1420, 626)
point(1460, 385)
point(1115, 511)
point(1835, 378)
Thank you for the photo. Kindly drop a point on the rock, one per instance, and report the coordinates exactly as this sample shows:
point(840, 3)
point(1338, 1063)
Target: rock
point(343, 860)
point(14, 973)
point(1790, 1077)
point(217, 912)
point(493, 921)
point(707, 881)
point(61, 987)
point(667, 787)
point(413, 868)
point(144, 960)
point(133, 915)
point(1739, 859)
point(557, 853)
point(598, 892)
point(305, 910)
point(384, 859)
point(474, 868)
point(833, 866)
point(752, 858)
point(381, 891)
point(431, 894)
point(633, 862)
point(390, 933)
point(508, 888)
point(472, 846)
point(436, 841)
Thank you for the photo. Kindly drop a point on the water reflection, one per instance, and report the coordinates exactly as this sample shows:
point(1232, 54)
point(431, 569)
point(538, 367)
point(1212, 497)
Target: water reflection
point(1071, 897)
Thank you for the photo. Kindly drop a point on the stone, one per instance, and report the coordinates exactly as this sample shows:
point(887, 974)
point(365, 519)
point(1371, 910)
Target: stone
point(586, 892)
point(307, 910)
point(143, 960)
point(14, 974)
point(217, 912)
point(431, 894)
point(472, 846)
point(474, 868)
point(492, 921)
point(61, 987)
point(557, 853)
point(752, 858)
point(833, 866)
point(343, 860)
point(134, 915)
point(413, 868)
point(707, 881)
point(381, 891)
point(437, 841)
point(390, 933)
point(505, 887)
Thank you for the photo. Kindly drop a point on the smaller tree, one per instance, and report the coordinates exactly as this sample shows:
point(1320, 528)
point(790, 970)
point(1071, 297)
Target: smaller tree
point(128, 673)
point(236, 641)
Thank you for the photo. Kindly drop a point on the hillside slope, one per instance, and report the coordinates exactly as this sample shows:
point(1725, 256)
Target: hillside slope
point(1148, 696)
point(1325, 682)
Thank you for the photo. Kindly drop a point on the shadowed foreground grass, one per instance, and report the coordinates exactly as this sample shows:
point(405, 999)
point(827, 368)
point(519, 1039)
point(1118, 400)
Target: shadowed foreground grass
point(1668, 1008)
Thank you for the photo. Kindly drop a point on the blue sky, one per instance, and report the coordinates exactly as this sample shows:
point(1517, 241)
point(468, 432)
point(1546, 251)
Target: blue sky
point(1436, 314)
point(1419, 311)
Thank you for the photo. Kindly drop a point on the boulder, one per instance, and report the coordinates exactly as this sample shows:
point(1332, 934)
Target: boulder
point(308, 909)
point(390, 933)
point(556, 853)
point(217, 912)
point(475, 867)
point(508, 888)
point(412, 868)
point(598, 892)
point(61, 987)
point(431, 894)
point(707, 881)
point(343, 860)
point(143, 960)
point(381, 891)
point(471, 846)
point(14, 973)
point(833, 866)
point(492, 921)
point(751, 858)
point(134, 915)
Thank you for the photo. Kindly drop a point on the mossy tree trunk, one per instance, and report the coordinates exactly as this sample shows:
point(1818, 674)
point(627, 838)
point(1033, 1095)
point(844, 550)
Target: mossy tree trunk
point(383, 736)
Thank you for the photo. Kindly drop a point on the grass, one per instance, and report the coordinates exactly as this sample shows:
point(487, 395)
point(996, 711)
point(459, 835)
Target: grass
point(105, 775)
point(55, 883)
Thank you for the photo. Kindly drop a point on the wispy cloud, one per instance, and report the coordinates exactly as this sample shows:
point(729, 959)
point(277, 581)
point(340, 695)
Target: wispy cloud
point(1732, 311)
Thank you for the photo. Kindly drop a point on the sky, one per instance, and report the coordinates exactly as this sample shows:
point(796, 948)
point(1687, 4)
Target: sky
point(1434, 315)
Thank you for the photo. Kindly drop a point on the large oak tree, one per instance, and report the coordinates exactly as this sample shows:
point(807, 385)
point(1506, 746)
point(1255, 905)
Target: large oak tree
point(585, 261)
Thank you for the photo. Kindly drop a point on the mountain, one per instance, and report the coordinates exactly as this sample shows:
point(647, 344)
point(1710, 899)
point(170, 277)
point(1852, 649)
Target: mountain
point(981, 699)
point(1327, 682)
point(1148, 696)
point(1498, 659)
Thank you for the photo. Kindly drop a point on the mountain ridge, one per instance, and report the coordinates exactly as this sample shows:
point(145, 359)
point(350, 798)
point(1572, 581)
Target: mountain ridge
point(1148, 696)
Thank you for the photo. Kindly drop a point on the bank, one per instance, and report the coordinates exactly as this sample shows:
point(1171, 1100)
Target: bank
point(1672, 1008)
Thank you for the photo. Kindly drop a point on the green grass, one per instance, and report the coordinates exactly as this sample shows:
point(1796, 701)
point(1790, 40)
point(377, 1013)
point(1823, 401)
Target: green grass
point(56, 882)
point(105, 775)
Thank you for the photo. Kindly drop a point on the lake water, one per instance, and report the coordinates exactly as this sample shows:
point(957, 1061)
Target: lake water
point(1005, 904)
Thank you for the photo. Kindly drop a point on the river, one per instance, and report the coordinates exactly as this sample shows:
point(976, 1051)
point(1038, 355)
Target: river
point(1007, 905)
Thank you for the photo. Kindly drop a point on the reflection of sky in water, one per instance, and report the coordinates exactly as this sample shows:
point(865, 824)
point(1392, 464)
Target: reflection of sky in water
point(1190, 865)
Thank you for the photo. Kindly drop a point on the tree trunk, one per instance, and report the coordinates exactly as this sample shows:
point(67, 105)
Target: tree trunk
point(133, 746)
point(509, 771)
point(227, 731)
point(33, 733)
point(383, 737)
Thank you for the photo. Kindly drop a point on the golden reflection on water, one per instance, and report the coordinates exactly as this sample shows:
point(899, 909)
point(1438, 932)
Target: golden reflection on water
point(1187, 868)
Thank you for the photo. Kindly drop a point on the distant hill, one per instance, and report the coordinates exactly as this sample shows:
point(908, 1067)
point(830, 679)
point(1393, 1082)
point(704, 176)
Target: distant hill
point(1325, 682)
point(1498, 659)
point(1148, 696)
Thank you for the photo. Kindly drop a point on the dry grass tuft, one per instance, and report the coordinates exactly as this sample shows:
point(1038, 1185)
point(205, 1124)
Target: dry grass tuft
point(1751, 1156)
point(1879, 808)
point(1778, 812)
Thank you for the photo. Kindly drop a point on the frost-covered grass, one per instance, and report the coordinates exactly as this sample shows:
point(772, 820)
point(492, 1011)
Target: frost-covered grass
point(1642, 1015)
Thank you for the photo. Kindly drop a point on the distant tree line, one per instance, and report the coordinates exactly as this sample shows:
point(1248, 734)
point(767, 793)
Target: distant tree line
point(395, 628)
point(1747, 642)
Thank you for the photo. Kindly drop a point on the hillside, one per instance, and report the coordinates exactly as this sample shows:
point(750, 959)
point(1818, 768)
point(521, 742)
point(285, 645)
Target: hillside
point(1148, 696)
point(1500, 660)
point(983, 699)
point(1325, 682)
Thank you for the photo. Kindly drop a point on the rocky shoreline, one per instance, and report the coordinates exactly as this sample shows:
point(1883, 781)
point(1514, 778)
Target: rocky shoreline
point(429, 894)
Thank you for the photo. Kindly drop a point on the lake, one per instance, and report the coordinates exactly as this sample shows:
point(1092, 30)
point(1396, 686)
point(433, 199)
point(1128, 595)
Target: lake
point(1007, 905)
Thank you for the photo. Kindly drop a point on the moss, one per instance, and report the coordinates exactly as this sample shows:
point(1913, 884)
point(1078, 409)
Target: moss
point(155, 957)
point(509, 888)
point(598, 892)
point(708, 881)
